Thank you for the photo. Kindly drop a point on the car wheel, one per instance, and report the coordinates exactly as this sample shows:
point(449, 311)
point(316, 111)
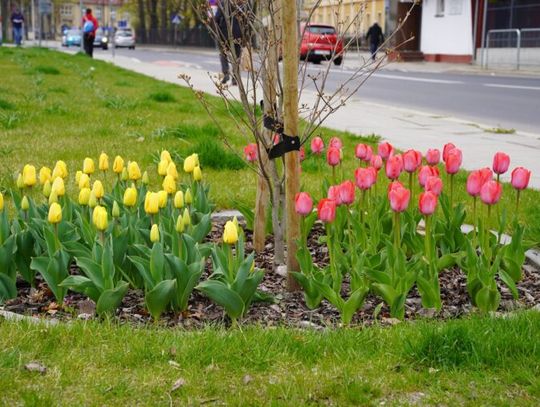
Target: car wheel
point(338, 61)
point(105, 47)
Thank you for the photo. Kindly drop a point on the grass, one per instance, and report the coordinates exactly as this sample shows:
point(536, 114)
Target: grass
point(471, 362)
point(500, 130)
point(92, 106)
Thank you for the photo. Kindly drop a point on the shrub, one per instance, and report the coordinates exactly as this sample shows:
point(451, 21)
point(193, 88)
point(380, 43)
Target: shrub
point(162, 97)
point(212, 155)
point(46, 70)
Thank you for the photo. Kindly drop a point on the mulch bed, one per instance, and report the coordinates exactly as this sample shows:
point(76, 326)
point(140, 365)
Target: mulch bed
point(288, 309)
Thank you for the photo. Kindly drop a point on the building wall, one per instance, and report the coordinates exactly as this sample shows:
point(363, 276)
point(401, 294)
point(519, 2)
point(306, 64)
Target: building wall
point(446, 31)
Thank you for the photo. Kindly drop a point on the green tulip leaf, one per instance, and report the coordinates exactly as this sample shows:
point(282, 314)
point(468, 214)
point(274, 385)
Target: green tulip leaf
point(110, 299)
point(510, 283)
point(353, 303)
point(221, 294)
point(159, 297)
point(488, 299)
point(81, 285)
point(8, 287)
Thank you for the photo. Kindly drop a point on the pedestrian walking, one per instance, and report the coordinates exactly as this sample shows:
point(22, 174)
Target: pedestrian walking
point(90, 25)
point(17, 20)
point(376, 37)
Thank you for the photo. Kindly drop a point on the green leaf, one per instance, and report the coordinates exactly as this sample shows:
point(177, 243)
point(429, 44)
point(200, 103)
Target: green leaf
point(159, 297)
point(8, 288)
point(221, 294)
point(81, 285)
point(353, 303)
point(312, 295)
point(430, 297)
point(387, 292)
point(487, 299)
point(510, 283)
point(110, 299)
point(92, 270)
point(157, 262)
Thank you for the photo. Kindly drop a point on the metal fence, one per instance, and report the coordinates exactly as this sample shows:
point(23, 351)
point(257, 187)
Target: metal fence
point(512, 47)
point(197, 37)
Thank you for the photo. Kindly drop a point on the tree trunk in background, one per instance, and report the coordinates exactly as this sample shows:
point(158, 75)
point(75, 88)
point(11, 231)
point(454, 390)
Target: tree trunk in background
point(154, 22)
point(164, 22)
point(142, 21)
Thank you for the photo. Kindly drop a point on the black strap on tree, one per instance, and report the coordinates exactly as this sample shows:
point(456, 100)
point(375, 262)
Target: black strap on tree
point(286, 143)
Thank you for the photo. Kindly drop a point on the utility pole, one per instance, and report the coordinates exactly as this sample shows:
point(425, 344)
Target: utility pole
point(290, 115)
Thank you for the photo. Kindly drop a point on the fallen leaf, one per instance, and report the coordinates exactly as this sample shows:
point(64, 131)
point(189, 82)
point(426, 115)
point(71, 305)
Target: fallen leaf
point(35, 367)
point(177, 384)
point(174, 364)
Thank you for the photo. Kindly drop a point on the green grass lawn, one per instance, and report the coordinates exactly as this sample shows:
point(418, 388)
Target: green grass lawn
point(472, 362)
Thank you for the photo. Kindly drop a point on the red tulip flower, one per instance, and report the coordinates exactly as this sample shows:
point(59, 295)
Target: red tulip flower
point(486, 174)
point(427, 203)
point(336, 143)
point(334, 195)
point(365, 177)
point(399, 198)
point(474, 183)
point(346, 192)
point(326, 210)
point(412, 159)
point(394, 166)
point(317, 145)
point(250, 151)
point(395, 185)
point(303, 203)
point(453, 161)
point(501, 162)
point(434, 184)
point(363, 152)
point(376, 162)
point(425, 172)
point(433, 156)
point(333, 156)
point(446, 149)
point(490, 193)
point(385, 150)
point(520, 178)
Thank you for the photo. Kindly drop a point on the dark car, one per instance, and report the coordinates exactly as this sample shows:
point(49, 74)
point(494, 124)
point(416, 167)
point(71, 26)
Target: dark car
point(101, 39)
point(321, 42)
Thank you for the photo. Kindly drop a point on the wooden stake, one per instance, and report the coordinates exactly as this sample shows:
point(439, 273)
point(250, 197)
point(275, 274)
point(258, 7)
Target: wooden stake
point(290, 113)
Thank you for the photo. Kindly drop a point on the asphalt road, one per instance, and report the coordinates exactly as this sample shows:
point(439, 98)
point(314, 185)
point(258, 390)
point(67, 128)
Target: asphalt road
point(498, 101)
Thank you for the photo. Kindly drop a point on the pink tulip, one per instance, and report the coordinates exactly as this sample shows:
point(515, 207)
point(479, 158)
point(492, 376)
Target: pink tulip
point(276, 139)
point(385, 150)
point(303, 203)
point(334, 195)
point(346, 192)
point(333, 156)
point(520, 178)
point(427, 203)
point(425, 172)
point(399, 198)
point(250, 151)
point(434, 184)
point(453, 161)
point(317, 145)
point(501, 162)
point(394, 166)
point(486, 174)
point(336, 143)
point(376, 162)
point(490, 193)
point(365, 177)
point(363, 152)
point(446, 149)
point(412, 159)
point(433, 156)
point(474, 183)
point(395, 185)
point(326, 210)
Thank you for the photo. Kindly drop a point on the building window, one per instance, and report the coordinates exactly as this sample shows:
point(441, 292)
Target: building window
point(66, 10)
point(440, 8)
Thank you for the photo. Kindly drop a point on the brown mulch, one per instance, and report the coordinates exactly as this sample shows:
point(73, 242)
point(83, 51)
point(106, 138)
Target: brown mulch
point(288, 309)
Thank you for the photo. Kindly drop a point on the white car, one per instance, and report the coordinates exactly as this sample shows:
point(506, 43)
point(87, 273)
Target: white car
point(124, 38)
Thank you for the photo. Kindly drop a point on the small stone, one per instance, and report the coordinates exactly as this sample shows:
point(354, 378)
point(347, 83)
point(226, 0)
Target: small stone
point(140, 139)
point(309, 325)
point(390, 321)
point(84, 316)
point(86, 307)
point(247, 379)
point(427, 312)
point(174, 364)
point(178, 384)
point(282, 270)
point(35, 367)
point(275, 307)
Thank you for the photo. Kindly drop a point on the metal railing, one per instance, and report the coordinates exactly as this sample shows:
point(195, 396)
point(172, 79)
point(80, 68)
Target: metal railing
point(502, 42)
point(511, 38)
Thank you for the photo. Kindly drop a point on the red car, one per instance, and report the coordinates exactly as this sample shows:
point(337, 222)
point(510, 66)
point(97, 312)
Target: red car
point(321, 42)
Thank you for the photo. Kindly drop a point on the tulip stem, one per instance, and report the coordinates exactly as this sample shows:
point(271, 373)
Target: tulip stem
point(517, 202)
point(475, 221)
point(397, 231)
point(427, 239)
point(451, 190)
point(411, 186)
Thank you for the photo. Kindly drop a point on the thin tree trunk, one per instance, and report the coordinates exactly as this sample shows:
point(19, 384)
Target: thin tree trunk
point(164, 21)
point(142, 21)
point(154, 26)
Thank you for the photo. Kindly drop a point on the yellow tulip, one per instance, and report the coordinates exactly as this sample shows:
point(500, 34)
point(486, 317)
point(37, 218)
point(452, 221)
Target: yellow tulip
point(179, 224)
point(78, 176)
point(99, 218)
point(154, 233)
point(162, 167)
point(186, 218)
point(179, 200)
point(103, 162)
point(134, 172)
point(165, 156)
point(58, 187)
point(169, 184)
point(197, 173)
point(162, 196)
point(130, 197)
point(188, 197)
point(29, 175)
point(84, 196)
point(98, 189)
point(118, 164)
point(25, 204)
point(20, 182)
point(55, 213)
point(53, 198)
point(171, 170)
point(88, 166)
point(151, 203)
point(45, 174)
point(189, 164)
point(92, 201)
point(1, 201)
point(230, 234)
point(115, 210)
point(60, 170)
point(145, 178)
point(84, 181)
point(124, 175)
point(195, 159)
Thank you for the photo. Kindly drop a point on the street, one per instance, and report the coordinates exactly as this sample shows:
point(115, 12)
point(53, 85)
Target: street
point(496, 101)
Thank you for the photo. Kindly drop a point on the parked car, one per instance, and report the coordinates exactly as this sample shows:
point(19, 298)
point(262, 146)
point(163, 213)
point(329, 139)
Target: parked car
point(101, 40)
point(321, 42)
point(124, 38)
point(71, 37)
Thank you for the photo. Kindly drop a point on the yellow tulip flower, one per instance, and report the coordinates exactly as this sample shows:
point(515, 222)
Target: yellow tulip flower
point(53, 198)
point(99, 218)
point(169, 184)
point(179, 200)
point(197, 174)
point(124, 175)
point(1, 201)
point(103, 162)
point(78, 175)
point(134, 172)
point(165, 156)
point(45, 174)
point(186, 218)
point(118, 165)
point(230, 234)
point(145, 178)
point(188, 197)
point(171, 170)
point(20, 181)
point(55, 213)
point(84, 196)
point(58, 187)
point(162, 196)
point(92, 201)
point(115, 210)
point(195, 158)
point(47, 188)
point(162, 167)
point(29, 175)
point(60, 170)
point(180, 224)
point(25, 204)
point(98, 189)
point(189, 164)
point(154, 233)
point(84, 181)
point(88, 166)
point(130, 197)
point(151, 203)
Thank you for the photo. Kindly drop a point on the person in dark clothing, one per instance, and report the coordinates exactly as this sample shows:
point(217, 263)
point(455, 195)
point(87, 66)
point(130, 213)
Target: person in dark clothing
point(90, 25)
point(17, 20)
point(376, 37)
point(229, 31)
